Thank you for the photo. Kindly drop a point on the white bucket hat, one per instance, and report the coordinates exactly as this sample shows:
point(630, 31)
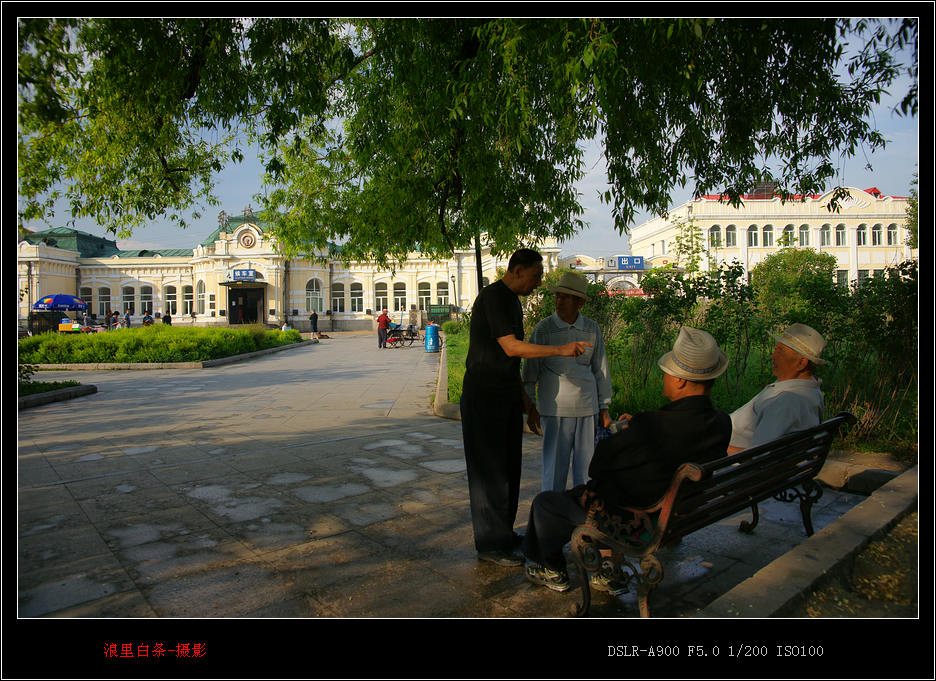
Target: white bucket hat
point(695, 356)
point(573, 284)
point(803, 340)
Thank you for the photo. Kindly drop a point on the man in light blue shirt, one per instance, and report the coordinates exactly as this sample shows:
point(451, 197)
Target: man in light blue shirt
point(572, 394)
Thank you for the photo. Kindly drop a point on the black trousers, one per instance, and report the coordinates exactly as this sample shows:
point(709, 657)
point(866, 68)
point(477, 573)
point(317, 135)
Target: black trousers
point(492, 431)
point(553, 516)
point(381, 338)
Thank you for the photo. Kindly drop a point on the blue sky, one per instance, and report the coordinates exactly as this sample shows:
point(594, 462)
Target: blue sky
point(891, 171)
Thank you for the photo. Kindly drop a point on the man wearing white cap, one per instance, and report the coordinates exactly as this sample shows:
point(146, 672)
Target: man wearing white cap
point(634, 466)
point(795, 402)
point(572, 393)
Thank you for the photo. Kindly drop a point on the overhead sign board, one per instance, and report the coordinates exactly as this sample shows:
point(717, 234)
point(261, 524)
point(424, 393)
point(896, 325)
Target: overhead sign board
point(630, 262)
point(245, 275)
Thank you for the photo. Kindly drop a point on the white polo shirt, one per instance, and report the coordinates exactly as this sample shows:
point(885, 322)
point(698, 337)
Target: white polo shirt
point(780, 408)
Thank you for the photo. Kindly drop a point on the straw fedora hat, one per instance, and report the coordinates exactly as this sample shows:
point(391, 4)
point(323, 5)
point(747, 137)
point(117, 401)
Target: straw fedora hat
point(803, 340)
point(573, 284)
point(695, 356)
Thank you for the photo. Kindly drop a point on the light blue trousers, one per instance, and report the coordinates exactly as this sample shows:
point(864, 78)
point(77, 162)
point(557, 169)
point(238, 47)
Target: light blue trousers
point(566, 439)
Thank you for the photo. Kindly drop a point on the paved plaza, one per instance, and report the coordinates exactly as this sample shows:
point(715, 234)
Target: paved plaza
point(313, 482)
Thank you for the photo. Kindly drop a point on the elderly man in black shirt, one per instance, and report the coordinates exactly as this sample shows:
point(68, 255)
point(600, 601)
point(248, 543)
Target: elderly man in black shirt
point(634, 466)
point(493, 403)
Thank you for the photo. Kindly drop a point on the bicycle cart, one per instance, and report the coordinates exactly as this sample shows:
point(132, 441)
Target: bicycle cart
point(399, 336)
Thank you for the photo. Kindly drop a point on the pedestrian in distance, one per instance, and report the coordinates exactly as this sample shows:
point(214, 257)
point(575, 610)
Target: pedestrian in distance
point(313, 321)
point(493, 403)
point(383, 324)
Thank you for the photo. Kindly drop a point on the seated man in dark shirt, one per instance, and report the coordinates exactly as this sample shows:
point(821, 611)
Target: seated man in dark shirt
point(634, 466)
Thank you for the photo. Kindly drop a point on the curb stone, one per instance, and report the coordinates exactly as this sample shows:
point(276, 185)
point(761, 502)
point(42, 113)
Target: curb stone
point(59, 395)
point(778, 588)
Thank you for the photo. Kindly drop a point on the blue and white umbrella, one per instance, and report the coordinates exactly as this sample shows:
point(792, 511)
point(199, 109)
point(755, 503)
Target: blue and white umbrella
point(60, 302)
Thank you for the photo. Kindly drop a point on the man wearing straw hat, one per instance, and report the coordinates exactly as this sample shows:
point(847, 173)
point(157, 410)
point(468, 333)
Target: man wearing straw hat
point(572, 393)
point(634, 466)
point(794, 402)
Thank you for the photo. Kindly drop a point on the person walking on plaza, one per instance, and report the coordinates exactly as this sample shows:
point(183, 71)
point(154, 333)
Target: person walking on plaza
point(383, 323)
point(493, 402)
point(794, 402)
point(571, 394)
point(313, 321)
point(127, 318)
point(634, 466)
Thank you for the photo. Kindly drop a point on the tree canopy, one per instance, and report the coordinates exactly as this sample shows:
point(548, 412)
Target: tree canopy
point(382, 136)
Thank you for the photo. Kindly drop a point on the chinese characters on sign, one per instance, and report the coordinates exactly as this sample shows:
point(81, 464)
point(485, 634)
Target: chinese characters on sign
point(137, 650)
point(245, 275)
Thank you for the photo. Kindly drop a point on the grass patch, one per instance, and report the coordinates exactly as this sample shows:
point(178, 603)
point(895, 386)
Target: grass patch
point(152, 344)
point(456, 350)
point(36, 387)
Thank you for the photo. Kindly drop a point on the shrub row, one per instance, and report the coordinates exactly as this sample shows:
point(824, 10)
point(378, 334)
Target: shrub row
point(160, 343)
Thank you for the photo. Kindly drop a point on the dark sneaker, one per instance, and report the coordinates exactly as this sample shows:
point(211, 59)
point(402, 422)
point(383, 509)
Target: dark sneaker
point(551, 579)
point(600, 582)
point(504, 558)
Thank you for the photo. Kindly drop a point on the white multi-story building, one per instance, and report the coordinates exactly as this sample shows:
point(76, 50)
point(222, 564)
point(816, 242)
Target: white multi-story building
point(867, 234)
point(236, 276)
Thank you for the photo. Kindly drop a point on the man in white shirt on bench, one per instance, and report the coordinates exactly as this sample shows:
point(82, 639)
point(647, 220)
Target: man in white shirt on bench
point(794, 402)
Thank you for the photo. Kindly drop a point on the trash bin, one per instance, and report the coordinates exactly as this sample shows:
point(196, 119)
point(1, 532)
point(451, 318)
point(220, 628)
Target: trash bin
point(432, 338)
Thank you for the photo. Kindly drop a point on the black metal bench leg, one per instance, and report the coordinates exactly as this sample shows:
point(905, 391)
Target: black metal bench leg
point(748, 527)
point(811, 495)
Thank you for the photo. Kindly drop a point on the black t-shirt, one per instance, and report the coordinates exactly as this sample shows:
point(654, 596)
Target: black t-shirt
point(489, 372)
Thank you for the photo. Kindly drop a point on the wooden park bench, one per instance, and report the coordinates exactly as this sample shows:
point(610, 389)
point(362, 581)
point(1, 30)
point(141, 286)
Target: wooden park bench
point(699, 495)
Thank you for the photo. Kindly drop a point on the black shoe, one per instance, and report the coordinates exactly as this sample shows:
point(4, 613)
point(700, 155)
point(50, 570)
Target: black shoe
point(551, 579)
point(503, 558)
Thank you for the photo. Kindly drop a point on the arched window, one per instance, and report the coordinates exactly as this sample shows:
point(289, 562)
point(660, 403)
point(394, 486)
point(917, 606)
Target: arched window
point(188, 300)
point(789, 235)
point(862, 235)
point(146, 300)
point(357, 297)
point(424, 290)
point(714, 236)
point(442, 293)
point(200, 297)
point(841, 238)
point(892, 235)
point(85, 294)
point(876, 235)
point(399, 297)
point(380, 296)
point(169, 296)
point(128, 295)
point(313, 296)
point(752, 236)
point(825, 235)
point(337, 297)
point(804, 235)
point(768, 236)
point(731, 237)
point(103, 301)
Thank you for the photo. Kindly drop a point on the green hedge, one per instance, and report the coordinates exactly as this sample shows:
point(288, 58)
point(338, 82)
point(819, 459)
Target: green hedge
point(159, 343)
